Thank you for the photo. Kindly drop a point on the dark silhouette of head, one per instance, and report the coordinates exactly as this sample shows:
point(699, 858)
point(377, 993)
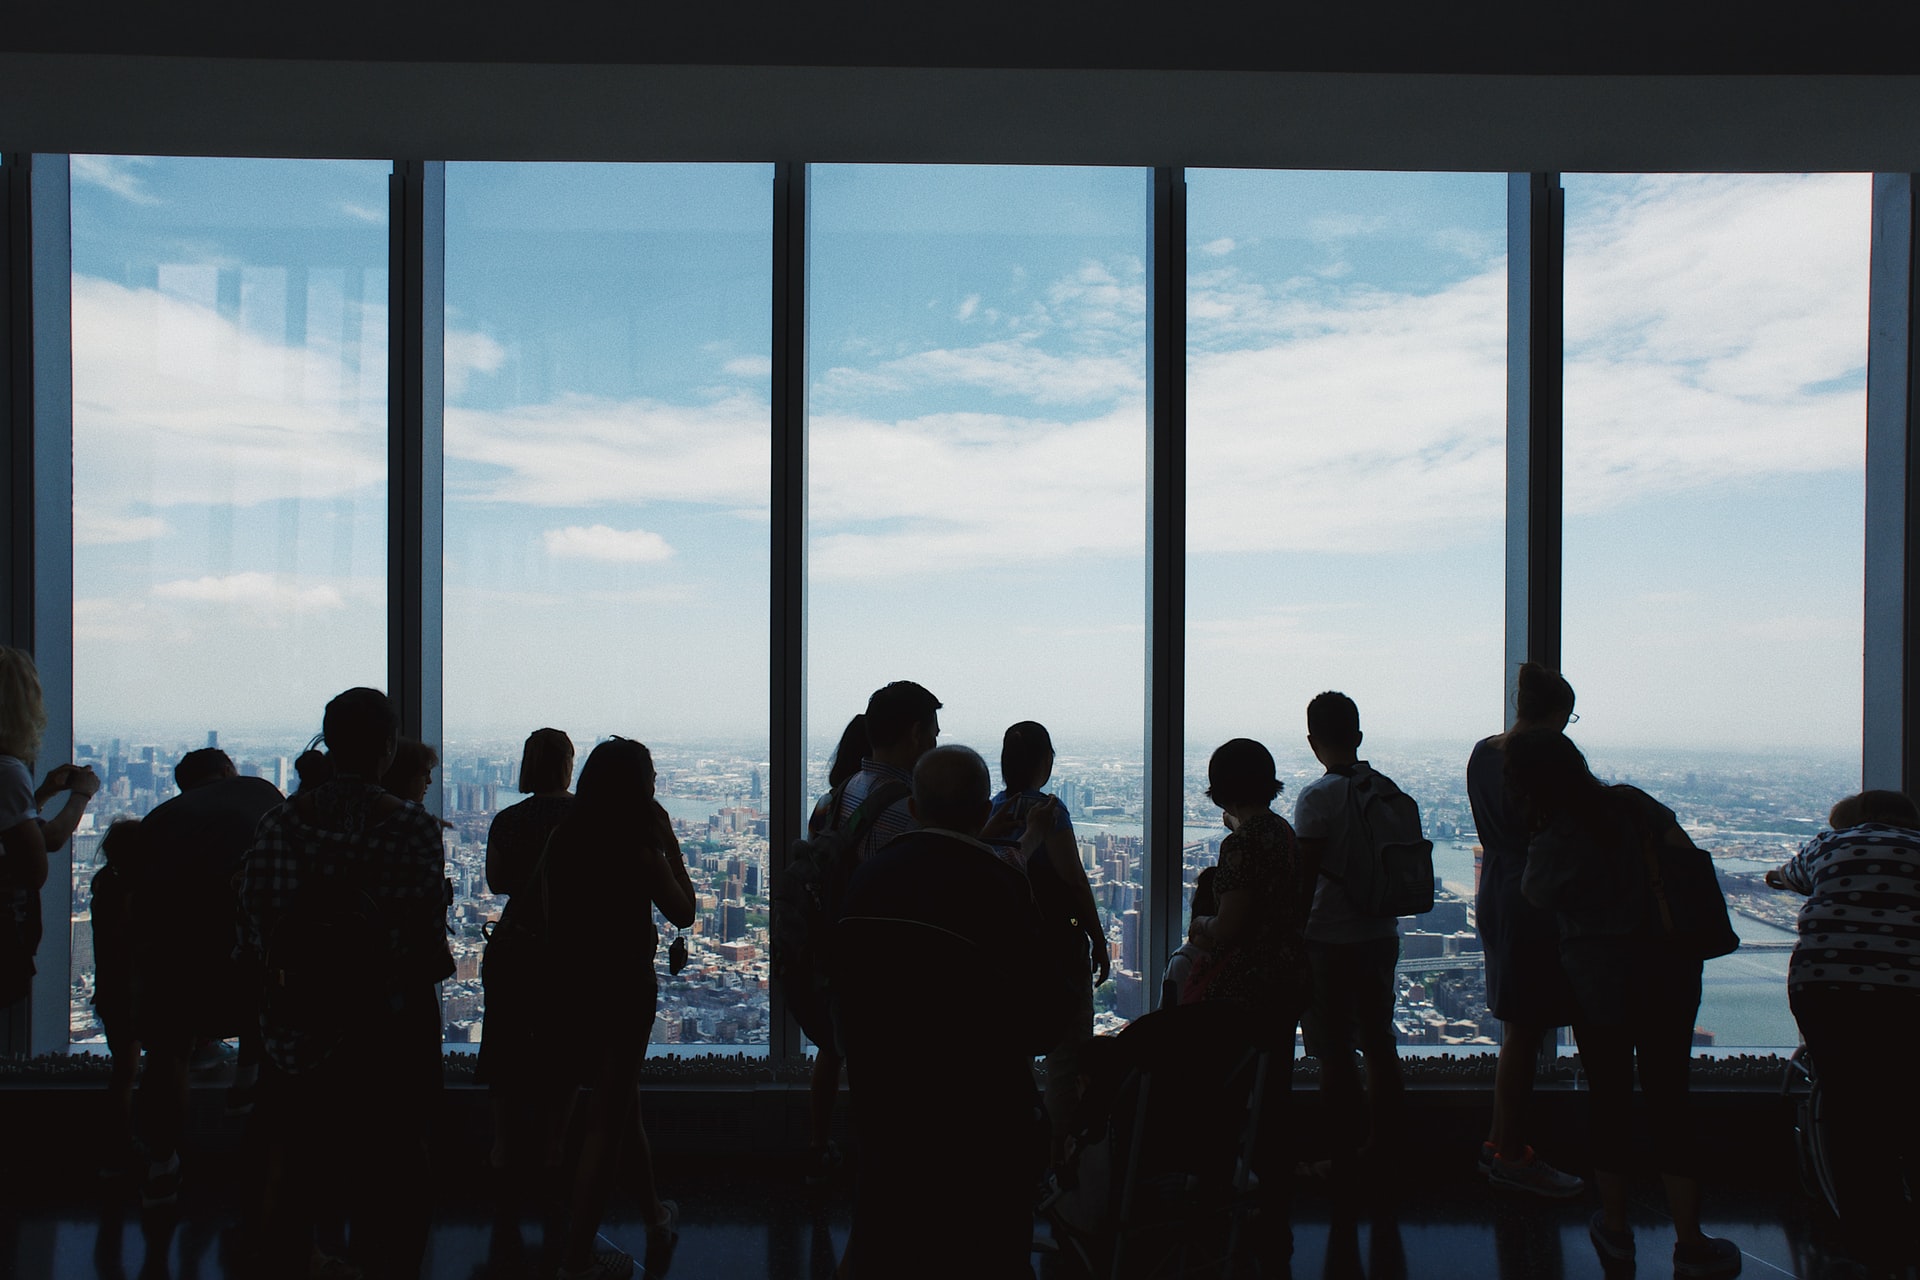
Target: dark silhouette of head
point(1334, 720)
point(850, 751)
point(1888, 808)
point(952, 789)
point(312, 767)
point(1240, 774)
point(1026, 756)
point(615, 790)
point(198, 768)
point(902, 719)
point(546, 762)
point(1205, 901)
point(361, 728)
point(1542, 698)
point(411, 772)
point(1551, 780)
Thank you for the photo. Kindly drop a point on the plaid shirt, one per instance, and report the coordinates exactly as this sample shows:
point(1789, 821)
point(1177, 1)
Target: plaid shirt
point(399, 862)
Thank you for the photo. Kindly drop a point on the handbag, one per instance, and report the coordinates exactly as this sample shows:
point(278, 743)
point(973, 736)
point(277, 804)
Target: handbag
point(1689, 909)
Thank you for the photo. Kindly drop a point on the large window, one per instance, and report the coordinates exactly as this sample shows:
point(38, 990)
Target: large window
point(1715, 410)
point(1346, 360)
point(229, 461)
point(608, 331)
point(977, 478)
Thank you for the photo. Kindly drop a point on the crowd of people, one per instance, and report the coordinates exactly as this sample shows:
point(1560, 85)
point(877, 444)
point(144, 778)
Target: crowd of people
point(313, 928)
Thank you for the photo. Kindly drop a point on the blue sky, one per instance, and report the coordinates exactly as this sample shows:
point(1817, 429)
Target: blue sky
point(977, 477)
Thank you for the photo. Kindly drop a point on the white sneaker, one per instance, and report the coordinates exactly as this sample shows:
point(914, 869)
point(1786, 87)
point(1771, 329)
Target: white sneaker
point(1533, 1175)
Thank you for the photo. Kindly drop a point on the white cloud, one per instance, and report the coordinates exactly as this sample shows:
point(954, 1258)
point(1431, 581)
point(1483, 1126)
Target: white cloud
point(749, 367)
point(268, 592)
point(469, 352)
point(605, 544)
point(117, 174)
point(100, 529)
point(968, 305)
point(364, 213)
point(584, 450)
point(176, 404)
point(1218, 248)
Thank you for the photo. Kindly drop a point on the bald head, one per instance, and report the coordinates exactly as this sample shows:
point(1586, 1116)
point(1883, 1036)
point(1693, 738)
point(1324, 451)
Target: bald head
point(952, 789)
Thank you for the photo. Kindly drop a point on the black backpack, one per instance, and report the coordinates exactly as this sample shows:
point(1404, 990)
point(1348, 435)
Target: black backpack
point(807, 901)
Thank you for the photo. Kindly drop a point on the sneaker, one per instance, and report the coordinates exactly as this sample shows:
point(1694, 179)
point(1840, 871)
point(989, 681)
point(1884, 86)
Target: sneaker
point(161, 1187)
point(1487, 1152)
point(1708, 1258)
point(1611, 1245)
point(211, 1055)
point(607, 1264)
point(1534, 1175)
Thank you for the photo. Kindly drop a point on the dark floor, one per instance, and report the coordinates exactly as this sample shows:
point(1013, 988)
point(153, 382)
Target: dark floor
point(744, 1223)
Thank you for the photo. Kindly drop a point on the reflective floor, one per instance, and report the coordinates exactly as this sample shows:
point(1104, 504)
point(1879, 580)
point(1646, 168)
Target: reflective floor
point(743, 1223)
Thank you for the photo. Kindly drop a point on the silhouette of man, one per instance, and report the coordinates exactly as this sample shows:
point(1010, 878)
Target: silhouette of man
point(950, 1136)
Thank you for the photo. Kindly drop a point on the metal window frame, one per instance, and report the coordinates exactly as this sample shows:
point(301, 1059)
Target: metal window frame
point(1890, 729)
point(38, 526)
point(787, 568)
point(416, 454)
point(1166, 622)
point(1536, 308)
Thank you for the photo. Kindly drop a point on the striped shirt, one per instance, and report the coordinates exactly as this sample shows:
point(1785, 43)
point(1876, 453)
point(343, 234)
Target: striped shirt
point(1860, 925)
point(895, 822)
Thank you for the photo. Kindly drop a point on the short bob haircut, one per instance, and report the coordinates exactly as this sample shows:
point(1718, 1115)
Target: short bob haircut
point(546, 762)
point(23, 708)
point(1241, 773)
point(1025, 753)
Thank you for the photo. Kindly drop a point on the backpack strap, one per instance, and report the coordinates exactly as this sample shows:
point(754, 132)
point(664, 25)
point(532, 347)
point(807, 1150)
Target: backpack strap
point(871, 806)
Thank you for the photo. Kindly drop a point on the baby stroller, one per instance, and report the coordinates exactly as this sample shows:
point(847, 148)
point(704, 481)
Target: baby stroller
point(1160, 1180)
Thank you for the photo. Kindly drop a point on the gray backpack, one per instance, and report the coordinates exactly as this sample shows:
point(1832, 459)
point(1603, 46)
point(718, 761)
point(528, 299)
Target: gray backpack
point(1384, 863)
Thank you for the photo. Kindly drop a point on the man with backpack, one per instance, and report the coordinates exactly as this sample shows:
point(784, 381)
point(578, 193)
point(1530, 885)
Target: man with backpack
point(866, 813)
point(1365, 834)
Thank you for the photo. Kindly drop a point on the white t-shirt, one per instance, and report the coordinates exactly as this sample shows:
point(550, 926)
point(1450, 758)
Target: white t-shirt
point(1322, 812)
point(16, 793)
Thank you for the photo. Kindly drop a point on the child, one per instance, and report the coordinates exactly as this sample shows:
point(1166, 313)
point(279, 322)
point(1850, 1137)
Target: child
point(1180, 969)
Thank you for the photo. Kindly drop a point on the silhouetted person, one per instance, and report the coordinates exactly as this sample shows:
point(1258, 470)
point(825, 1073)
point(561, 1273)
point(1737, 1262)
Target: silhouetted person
point(1353, 954)
point(410, 776)
point(345, 895)
point(1527, 989)
point(614, 851)
point(823, 1156)
point(187, 986)
point(902, 723)
point(1257, 939)
point(110, 904)
point(512, 1055)
point(1854, 982)
point(25, 836)
point(1189, 956)
point(1636, 989)
point(944, 1108)
point(1073, 943)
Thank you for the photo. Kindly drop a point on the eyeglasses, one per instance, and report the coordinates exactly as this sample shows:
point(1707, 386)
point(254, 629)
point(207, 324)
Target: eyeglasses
point(1573, 718)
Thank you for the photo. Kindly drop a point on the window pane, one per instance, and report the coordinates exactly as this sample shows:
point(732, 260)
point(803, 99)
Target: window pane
point(230, 454)
point(1346, 409)
point(607, 480)
point(977, 478)
point(1715, 410)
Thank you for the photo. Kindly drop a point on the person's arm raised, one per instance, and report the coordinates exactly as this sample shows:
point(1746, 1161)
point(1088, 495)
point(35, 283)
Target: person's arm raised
point(673, 887)
point(80, 783)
